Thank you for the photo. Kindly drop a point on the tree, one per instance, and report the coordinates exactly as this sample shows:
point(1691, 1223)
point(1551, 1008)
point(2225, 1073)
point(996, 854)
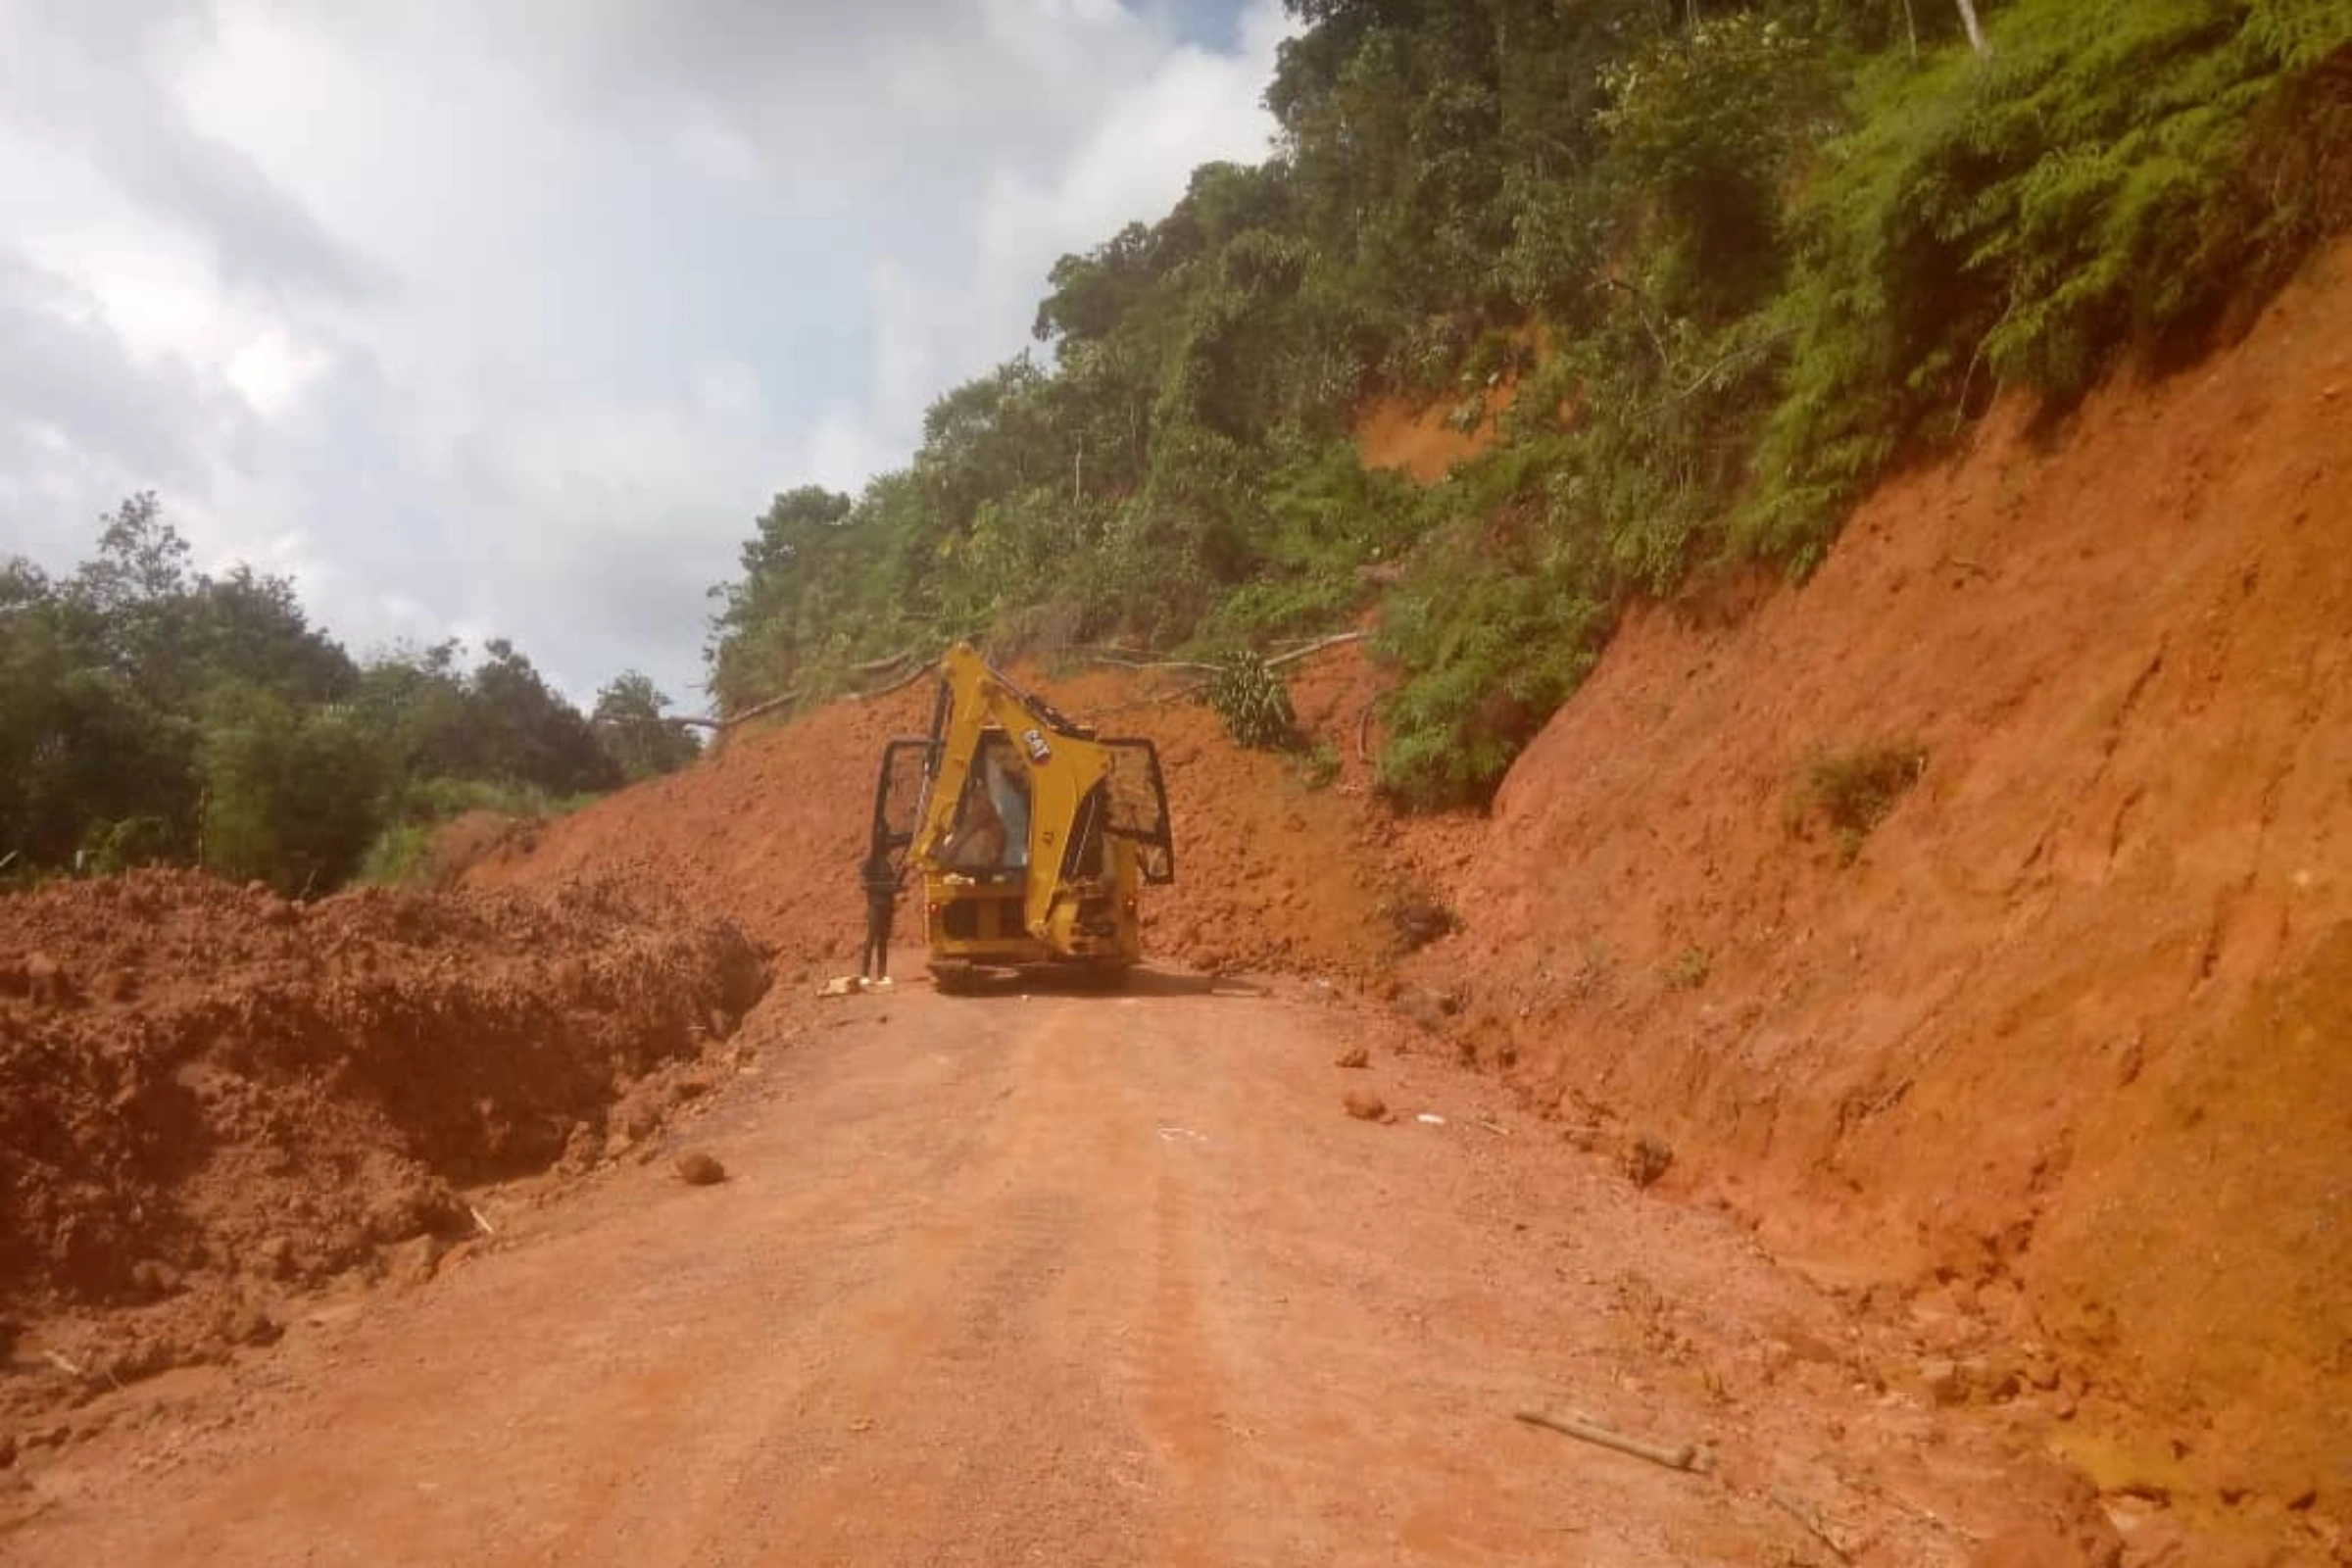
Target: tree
point(1975, 29)
point(292, 796)
point(518, 730)
point(629, 722)
point(151, 711)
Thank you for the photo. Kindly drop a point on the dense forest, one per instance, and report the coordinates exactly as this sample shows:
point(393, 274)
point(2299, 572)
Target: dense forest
point(1734, 260)
point(153, 713)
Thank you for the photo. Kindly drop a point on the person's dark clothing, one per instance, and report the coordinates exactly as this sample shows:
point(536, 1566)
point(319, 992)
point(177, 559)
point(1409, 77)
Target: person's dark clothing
point(881, 883)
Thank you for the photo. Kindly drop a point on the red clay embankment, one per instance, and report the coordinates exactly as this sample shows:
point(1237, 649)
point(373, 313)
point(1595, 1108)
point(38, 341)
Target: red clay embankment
point(2066, 1050)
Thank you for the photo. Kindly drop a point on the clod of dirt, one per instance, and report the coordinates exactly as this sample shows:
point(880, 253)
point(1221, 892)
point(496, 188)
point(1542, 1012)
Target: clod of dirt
point(1647, 1159)
point(698, 1169)
point(1419, 921)
point(582, 1145)
point(1947, 1380)
point(44, 979)
point(7, 1450)
point(415, 1261)
point(250, 1325)
point(1353, 1057)
point(276, 1256)
point(1365, 1105)
point(154, 1278)
point(1427, 1008)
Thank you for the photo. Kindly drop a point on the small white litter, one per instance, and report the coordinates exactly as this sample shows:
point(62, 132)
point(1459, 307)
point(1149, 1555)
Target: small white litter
point(1430, 1118)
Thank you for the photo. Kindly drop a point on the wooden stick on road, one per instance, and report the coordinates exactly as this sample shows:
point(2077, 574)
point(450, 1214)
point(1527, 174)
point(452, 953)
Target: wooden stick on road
point(1674, 1456)
point(1806, 1514)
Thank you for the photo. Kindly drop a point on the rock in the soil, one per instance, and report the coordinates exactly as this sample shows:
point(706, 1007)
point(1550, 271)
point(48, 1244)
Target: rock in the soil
point(1353, 1057)
point(250, 1325)
point(1947, 1380)
point(154, 1277)
point(698, 1169)
point(1648, 1158)
point(580, 1149)
point(1365, 1105)
point(1427, 1008)
point(415, 1261)
point(275, 1256)
point(44, 979)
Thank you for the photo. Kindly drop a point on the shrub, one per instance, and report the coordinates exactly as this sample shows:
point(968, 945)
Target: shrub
point(2026, 220)
point(1254, 703)
point(1851, 792)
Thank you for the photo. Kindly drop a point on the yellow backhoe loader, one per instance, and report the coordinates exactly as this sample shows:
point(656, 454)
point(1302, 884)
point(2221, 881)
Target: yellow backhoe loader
point(1033, 836)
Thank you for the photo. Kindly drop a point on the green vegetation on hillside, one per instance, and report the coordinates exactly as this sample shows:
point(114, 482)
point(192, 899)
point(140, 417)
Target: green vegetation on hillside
point(151, 713)
point(1774, 248)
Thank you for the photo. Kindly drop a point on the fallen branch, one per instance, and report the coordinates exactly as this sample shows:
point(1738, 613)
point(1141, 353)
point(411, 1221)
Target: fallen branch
point(1804, 1513)
point(755, 710)
point(899, 685)
point(1117, 662)
point(1313, 647)
point(486, 1228)
point(58, 1361)
point(1887, 1493)
point(1364, 733)
point(1676, 1456)
point(875, 666)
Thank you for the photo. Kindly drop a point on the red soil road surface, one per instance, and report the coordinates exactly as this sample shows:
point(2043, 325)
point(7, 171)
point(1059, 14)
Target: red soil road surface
point(1064, 1280)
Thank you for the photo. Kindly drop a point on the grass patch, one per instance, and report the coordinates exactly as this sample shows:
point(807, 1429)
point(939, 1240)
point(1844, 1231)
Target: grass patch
point(1850, 791)
point(1688, 970)
point(401, 855)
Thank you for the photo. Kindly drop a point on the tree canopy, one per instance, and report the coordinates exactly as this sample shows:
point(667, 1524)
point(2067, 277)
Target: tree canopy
point(1734, 260)
point(151, 711)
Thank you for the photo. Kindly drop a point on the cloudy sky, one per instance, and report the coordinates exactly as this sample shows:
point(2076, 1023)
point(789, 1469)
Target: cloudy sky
point(506, 317)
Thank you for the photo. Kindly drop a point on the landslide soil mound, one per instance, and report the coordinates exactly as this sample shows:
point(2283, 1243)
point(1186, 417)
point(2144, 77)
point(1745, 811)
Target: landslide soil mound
point(1283, 861)
point(2045, 1022)
point(209, 1093)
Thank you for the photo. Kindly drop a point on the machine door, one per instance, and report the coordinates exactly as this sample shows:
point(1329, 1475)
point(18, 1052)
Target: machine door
point(1137, 803)
point(899, 795)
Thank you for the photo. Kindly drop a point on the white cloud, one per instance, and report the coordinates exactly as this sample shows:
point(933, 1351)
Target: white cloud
point(511, 318)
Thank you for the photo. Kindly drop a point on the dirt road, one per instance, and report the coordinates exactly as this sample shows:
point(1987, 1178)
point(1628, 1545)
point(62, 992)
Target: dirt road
point(1064, 1280)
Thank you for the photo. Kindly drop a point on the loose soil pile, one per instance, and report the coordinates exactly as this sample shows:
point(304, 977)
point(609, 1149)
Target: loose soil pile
point(209, 1095)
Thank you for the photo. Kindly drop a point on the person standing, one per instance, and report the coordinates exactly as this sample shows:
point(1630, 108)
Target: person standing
point(881, 882)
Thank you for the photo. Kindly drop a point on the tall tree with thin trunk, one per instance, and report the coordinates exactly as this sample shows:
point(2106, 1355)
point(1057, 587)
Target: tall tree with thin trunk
point(1975, 29)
